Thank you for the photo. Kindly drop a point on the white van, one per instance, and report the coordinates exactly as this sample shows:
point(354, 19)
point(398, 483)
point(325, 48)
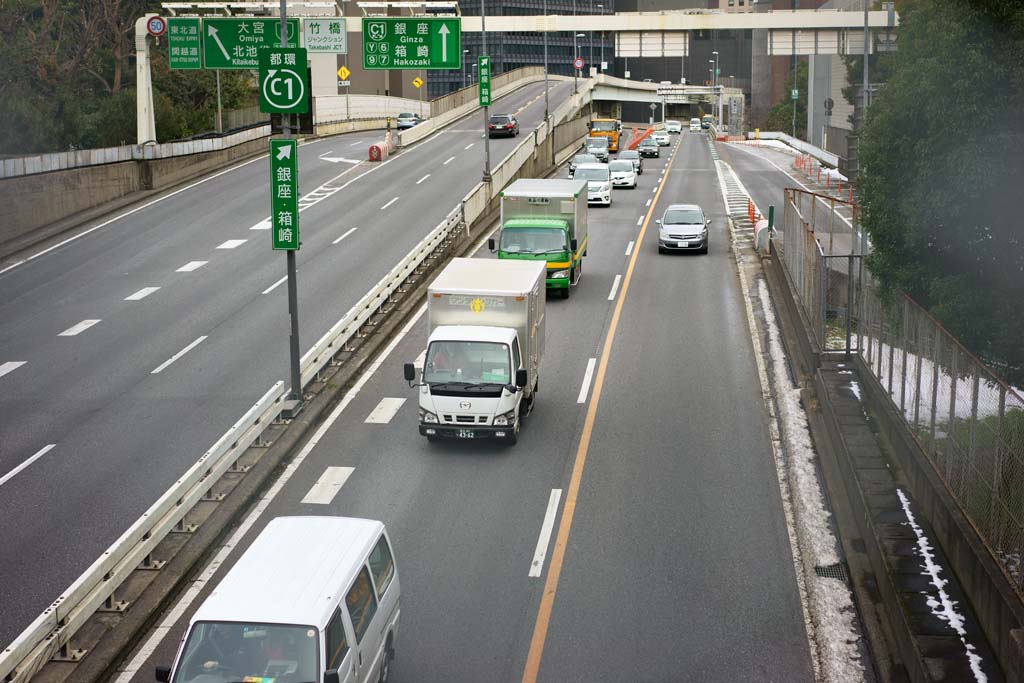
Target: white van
point(694, 125)
point(599, 182)
point(313, 599)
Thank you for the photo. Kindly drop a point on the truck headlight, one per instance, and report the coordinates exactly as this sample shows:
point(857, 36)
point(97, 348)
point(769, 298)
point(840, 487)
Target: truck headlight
point(559, 274)
point(505, 419)
point(427, 416)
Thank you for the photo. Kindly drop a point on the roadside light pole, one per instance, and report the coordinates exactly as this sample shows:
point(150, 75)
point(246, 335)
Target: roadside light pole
point(718, 87)
point(293, 286)
point(575, 53)
point(545, 11)
point(464, 53)
point(576, 49)
point(600, 65)
point(487, 113)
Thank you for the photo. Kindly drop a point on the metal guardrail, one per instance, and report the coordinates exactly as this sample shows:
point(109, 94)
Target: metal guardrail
point(50, 634)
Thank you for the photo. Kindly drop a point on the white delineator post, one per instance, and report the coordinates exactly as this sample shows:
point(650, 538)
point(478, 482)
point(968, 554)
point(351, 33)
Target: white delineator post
point(145, 121)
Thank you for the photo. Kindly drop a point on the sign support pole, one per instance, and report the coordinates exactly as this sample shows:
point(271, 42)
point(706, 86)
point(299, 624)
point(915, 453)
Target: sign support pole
point(220, 114)
point(295, 397)
point(487, 114)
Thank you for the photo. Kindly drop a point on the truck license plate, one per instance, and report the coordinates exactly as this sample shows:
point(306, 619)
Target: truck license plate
point(465, 433)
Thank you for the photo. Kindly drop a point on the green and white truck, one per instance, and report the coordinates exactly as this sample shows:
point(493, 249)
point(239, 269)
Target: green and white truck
point(545, 220)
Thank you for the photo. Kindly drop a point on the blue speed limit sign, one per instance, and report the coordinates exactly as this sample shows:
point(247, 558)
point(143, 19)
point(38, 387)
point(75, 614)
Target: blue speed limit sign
point(157, 26)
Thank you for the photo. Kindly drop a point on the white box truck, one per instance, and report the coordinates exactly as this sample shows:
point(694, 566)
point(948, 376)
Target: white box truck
point(545, 220)
point(484, 352)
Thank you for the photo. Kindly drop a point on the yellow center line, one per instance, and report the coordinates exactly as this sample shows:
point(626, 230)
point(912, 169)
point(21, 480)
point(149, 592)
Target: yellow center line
point(547, 601)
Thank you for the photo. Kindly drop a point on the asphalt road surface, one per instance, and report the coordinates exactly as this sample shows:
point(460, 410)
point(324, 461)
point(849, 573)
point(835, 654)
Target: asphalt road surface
point(127, 353)
point(668, 558)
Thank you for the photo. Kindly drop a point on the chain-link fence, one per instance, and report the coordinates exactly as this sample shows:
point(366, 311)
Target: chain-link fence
point(820, 245)
point(968, 422)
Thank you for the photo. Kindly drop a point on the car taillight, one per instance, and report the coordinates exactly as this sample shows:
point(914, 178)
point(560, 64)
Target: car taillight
point(508, 125)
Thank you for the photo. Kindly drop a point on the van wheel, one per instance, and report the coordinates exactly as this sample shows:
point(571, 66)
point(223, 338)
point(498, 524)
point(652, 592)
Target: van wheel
point(385, 665)
point(513, 438)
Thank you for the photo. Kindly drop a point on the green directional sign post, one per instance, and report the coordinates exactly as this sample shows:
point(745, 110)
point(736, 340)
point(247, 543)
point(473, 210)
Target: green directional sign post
point(282, 80)
point(412, 43)
point(284, 194)
point(235, 43)
point(183, 43)
point(484, 85)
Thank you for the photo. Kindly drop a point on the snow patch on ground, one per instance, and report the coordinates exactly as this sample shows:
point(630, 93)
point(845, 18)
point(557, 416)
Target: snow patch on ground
point(832, 609)
point(944, 608)
point(855, 388)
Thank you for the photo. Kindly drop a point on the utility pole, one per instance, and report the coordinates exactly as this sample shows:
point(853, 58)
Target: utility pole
point(545, 11)
point(293, 285)
point(867, 42)
point(575, 53)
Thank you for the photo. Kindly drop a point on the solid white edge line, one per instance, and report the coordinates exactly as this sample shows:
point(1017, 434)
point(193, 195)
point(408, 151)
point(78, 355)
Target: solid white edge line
point(10, 366)
point(79, 328)
point(422, 179)
point(537, 566)
point(587, 377)
point(40, 453)
point(615, 287)
point(141, 294)
point(629, 248)
point(389, 203)
point(274, 286)
point(347, 233)
point(163, 366)
point(327, 486)
point(199, 584)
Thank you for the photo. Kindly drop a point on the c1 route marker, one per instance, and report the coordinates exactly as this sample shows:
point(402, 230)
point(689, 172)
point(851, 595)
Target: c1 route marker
point(283, 83)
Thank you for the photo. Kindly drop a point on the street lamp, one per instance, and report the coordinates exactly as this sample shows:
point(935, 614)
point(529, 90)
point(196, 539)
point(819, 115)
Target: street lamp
point(545, 11)
point(464, 53)
point(600, 66)
point(576, 50)
point(715, 53)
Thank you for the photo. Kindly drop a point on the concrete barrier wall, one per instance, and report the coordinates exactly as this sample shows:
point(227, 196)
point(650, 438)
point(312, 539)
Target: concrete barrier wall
point(335, 108)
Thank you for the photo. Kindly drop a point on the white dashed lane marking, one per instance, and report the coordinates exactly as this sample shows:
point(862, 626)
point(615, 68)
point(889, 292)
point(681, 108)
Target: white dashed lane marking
point(191, 265)
point(78, 329)
point(141, 294)
point(231, 244)
point(385, 410)
point(10, 366)
point(328, 485)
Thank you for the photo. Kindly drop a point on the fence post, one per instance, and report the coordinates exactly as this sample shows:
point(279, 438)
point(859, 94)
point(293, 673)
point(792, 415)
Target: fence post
point(997, 474)
point(823, 297)
point(849, 301)
point(831, 223)
point(973, 433)
point(903, 359)
point(954, 374)
point(919, 352)
point(932, 450)
point(867, 313)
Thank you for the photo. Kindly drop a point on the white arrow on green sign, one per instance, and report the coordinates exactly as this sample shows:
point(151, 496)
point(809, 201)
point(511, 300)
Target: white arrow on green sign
point(412, 43)
point(284, 194)
point(283, 82)
point(235, 42)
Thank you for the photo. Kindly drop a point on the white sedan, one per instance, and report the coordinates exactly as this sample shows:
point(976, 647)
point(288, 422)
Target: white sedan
point(623, 173)
point(662, 138)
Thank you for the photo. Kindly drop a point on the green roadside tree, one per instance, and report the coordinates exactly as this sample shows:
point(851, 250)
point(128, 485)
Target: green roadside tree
point(780, 116)
point(943, 162)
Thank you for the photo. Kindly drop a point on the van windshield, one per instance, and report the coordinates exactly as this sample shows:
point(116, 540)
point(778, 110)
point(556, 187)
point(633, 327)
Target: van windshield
point(532, 240)
point(238, 651)
point(467, 363)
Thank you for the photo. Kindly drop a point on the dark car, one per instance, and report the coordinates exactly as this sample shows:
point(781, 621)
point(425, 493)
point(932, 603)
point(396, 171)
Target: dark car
point(407, 120)
point(649, 147)
point(580, 159)
point(503, 124)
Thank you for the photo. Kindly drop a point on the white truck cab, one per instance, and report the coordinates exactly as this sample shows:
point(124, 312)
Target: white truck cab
point(483, 355)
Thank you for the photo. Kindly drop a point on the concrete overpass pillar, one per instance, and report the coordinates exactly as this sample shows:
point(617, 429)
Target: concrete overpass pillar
point(760, 78)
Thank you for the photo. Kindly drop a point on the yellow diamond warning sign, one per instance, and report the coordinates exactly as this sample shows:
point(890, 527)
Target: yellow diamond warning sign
point(344, 73)
point(418, 82)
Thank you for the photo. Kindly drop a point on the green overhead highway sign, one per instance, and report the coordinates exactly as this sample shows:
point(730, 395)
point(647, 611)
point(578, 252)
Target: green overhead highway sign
point(235, 43)
point(282, 80)
point(183, 43)
point(284, 194)
point(412, 43)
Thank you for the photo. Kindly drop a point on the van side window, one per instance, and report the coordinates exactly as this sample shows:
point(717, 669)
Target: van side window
point(337, 644)
point(516, 364)
point(362, 604)
point(382, 566)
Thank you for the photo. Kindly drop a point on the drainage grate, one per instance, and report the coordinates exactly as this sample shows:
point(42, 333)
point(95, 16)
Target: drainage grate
point(833, 571)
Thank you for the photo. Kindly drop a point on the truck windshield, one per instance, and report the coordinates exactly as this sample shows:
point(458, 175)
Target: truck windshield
point(604, 126)
point(235, 651)
point(532, 240)
point(467, 362)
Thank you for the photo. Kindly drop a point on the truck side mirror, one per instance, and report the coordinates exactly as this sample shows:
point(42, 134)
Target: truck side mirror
point(163, 674)
point(707, 221)
point(410, 372)
point(589, 125)
point(331, 676)
point(491, 244)
point(573, 245)
point(521, 378)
